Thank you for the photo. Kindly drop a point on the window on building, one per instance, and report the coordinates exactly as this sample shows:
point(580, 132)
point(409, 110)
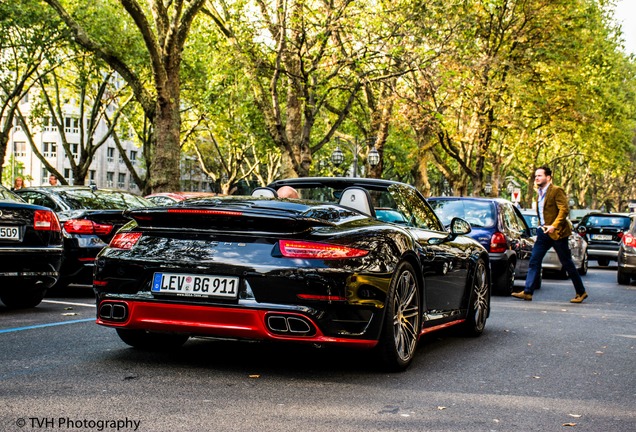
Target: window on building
point(110, 154)
point(110, 179)
point(68, 175)
point(75, 150)
point(91, 175)
point(48, 125)
point(71, 124)
point(133, 157)
point(121, 181)
point(19, 148)
point(49, 149)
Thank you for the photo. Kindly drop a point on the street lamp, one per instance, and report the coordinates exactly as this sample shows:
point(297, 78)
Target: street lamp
point(337, 157)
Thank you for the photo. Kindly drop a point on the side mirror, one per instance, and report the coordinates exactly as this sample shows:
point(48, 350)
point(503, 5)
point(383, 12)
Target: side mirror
point(459, 226)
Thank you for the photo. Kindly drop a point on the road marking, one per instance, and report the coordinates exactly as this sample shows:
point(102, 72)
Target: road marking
point(69, 303)
point(46, 325)
point(626, 336)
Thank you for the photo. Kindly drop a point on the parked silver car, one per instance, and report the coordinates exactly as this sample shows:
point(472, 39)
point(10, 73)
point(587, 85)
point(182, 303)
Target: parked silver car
point(551, 262)
point(627, 255)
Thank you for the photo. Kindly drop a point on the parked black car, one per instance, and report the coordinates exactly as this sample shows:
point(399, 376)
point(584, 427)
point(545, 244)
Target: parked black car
point(603, 232)
point(30, 251)
point(500, 227)
point(362, 263)
point(90, 217)
point(627, 255)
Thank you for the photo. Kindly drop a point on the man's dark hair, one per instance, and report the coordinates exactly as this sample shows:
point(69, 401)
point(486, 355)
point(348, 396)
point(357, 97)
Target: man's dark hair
point(546, 170)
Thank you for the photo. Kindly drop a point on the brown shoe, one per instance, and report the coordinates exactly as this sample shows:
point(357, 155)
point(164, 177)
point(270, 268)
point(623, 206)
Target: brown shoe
point(579, 298)
point(522, 295)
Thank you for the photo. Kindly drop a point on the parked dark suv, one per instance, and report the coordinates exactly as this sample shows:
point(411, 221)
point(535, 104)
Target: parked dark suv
point(627, 255)
point(500, 227)
point(603, 232)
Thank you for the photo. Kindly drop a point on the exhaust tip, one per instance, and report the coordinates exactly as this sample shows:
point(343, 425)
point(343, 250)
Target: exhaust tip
point(290, 325)
point(114, 312)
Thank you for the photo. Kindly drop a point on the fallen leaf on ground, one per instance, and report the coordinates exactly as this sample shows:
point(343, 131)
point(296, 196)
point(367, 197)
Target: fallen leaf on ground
point(255, 376)
point(569, 424)
point(575, 415)
point(441, 408)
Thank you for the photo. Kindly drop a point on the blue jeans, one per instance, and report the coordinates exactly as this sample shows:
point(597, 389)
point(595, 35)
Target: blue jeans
point(541, 247)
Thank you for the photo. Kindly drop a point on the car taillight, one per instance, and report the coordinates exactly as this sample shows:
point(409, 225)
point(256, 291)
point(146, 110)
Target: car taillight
point(305, 249)
point(498, 243)
point(620, 235)
point(629, 240)
point(85, 226)
point(46, 220)
point(125, 240)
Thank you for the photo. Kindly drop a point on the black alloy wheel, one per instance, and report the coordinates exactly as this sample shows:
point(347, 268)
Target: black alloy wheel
point(401, 328)
point(479, 302)
point(151, 341)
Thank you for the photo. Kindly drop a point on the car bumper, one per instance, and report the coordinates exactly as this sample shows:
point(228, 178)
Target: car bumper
point(627, 262)
point(251, 323)
point(31, 264)
point(596, 251)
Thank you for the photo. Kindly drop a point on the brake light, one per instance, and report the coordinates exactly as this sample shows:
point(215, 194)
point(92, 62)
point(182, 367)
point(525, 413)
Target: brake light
point(620, 235)
point(85, 226)
point(314, 250)
point(46, 220)
point(125, 240)
point(498, 243)
point(629, 240)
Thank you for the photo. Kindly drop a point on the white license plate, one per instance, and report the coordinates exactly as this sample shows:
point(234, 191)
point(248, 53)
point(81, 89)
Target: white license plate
point(601, 237)
point(193, 285)
point(9, 233)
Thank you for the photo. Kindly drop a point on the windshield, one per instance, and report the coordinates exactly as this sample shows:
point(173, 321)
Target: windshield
point(103, 200)
point(607, 221)
point(480, 214)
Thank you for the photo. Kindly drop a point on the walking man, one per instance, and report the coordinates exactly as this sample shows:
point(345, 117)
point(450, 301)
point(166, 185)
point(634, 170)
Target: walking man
point(553, 231)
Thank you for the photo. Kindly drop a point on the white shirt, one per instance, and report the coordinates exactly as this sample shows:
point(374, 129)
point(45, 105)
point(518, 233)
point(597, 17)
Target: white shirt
point(541, 200)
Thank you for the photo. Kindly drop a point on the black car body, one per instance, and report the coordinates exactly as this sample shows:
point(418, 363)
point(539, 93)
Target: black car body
point(627, 255)
point(30, 251)
point(500, 227)
point(603, 233)
point(90, 217)
point(322, 269)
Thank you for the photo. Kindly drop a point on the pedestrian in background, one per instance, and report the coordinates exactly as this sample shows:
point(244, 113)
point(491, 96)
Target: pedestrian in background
point(553, 232)
point(18, 183)
point(52, 180)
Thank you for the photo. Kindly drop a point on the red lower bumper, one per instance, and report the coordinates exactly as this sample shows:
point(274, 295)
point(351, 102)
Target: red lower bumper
point(215, 321)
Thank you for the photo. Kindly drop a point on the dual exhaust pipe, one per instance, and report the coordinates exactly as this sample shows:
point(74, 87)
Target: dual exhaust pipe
point(290, 325)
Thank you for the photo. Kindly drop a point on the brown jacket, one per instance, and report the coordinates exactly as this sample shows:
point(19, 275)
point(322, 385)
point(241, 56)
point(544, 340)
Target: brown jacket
point(556, 212)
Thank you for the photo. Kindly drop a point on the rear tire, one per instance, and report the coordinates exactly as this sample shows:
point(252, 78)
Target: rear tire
point(151, 341)
point(623, 278)
point(401, 327)
point(479, 302)
point(584, 265)
point(603, 262)
point(23, 299)
point(505, 282)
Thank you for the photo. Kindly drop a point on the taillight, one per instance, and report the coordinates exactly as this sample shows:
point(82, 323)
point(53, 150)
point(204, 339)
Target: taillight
point(620, 235)
point(45, 220)
point(125, 240)
point(629, 240)
point(305, 249)
point(85, 226)
point(498, 243)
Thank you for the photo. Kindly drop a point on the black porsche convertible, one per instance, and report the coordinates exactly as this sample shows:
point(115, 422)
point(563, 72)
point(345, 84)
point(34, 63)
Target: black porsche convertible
point(357, 262)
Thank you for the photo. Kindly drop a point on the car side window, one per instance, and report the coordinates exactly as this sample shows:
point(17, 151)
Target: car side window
point(511, 219)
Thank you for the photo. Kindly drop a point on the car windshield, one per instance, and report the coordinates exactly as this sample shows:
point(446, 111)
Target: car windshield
point(531, 219)
point(102, 200)
point(7, 195)
point(607, 221)
point(480, 214)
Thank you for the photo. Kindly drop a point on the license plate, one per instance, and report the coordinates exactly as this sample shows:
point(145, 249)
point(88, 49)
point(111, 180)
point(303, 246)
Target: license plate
point(601, 237)
point(193, 285)
point(9, 233)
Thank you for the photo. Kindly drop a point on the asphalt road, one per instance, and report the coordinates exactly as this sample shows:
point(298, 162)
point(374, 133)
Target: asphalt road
point(545, 365)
